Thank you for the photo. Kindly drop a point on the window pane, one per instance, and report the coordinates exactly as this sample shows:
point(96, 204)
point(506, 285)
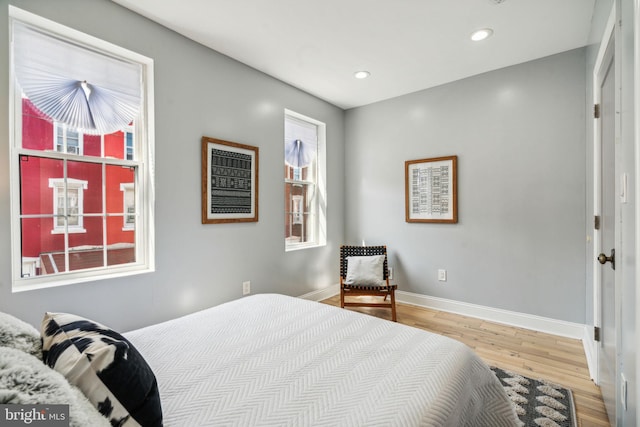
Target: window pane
point(37, 129)
point(121, 243)
point(42, 133)
point(299, 223)
point(86, 178)
point(35, 243)
point(86, 249)
point(114, 145)
point(118, 179)
point(53, 263)
point(129, 145)
point(121, 214)
point(121, 255)
point(36, 197)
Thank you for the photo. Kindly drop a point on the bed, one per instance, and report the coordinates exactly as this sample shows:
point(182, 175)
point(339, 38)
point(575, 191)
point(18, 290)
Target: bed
point(262, 360)
point(274, 360)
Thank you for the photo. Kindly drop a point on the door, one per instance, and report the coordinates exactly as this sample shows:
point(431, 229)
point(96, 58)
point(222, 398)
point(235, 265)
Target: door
point(605, 270)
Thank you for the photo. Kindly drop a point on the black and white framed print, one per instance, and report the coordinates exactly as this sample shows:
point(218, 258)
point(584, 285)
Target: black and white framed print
point(229, 182)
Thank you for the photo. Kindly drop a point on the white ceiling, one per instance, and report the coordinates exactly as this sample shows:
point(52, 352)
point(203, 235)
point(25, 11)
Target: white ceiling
point(407, 45)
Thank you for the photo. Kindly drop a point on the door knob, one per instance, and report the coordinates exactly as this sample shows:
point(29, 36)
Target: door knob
point(603, 259)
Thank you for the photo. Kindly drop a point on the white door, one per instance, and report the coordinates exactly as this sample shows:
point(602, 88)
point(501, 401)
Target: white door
point(605, 270)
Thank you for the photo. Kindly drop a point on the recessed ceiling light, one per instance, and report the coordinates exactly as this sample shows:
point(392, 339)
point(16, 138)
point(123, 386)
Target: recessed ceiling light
point(482, 34)
point(361, 74)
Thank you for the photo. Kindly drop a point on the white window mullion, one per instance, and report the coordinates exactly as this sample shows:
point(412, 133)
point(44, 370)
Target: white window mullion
point(104, 215)
point(66, 218)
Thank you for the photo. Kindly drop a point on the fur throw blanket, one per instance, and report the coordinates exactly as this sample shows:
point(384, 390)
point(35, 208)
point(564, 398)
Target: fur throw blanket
point(18, 334)
point(26, 380)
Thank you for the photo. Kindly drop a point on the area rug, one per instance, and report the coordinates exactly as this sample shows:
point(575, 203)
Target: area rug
point(538, 402)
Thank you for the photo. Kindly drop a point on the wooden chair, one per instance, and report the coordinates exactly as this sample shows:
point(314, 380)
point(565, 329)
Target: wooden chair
point(383, 289)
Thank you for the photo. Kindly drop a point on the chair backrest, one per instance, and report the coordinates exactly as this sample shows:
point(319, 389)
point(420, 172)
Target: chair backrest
point(347, 251)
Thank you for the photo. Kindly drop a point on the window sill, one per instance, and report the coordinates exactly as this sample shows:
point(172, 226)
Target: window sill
point(298, 246)
point(63, 279)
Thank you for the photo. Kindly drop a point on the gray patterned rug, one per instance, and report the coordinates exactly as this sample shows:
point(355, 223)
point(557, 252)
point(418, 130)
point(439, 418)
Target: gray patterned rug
point(538, 402)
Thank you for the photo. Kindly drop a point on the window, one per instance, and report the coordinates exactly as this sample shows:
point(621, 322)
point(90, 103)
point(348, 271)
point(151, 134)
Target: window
point(67, 140)
point(68, 204)
point(81, 155)
point(128, 144)
point(304, 181)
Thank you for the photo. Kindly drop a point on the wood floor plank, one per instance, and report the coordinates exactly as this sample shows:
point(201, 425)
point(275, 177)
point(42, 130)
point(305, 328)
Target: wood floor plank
point(531, 353)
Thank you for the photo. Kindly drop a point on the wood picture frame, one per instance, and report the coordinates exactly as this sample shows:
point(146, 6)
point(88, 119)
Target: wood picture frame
point(431, 190)
point(229, 181)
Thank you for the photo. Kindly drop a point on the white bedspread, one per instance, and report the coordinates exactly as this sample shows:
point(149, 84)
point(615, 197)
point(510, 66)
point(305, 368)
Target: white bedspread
point(273, 360)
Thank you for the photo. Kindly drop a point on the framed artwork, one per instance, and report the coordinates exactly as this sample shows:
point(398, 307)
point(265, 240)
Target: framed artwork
point(431, 193)
point(229, 182)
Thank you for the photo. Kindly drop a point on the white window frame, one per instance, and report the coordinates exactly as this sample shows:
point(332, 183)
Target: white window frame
point(319, 207)
point(58, 186)
point(144, 151)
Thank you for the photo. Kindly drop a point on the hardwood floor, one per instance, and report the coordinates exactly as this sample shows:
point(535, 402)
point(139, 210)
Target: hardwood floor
point(530, 353)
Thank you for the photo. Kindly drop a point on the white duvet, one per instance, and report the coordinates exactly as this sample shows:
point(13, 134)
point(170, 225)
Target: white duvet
point(273, 360)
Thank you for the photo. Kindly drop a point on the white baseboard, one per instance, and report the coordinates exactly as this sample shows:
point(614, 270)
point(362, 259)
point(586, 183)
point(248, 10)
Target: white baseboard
point(322, 294)
point(591, 352)
point(511, 318)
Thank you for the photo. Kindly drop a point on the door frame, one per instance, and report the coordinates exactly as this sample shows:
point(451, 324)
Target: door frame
point(636, 108)
point(607, 38)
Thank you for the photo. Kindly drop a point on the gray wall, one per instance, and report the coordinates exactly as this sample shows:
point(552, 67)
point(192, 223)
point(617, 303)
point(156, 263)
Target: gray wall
point(519, 134)
point(197, 92)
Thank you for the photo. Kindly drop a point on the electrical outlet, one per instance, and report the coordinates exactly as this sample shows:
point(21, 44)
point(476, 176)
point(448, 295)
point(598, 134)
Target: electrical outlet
point(390, 273)
point(442, 275)
point(246, 288)
point(623, 391)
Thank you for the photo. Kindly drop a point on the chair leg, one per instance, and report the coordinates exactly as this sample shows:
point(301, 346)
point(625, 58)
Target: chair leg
point(393, 305)
point(342, 298)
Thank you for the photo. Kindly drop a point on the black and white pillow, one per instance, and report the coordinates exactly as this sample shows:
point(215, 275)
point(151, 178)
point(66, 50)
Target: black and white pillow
point(105, 366)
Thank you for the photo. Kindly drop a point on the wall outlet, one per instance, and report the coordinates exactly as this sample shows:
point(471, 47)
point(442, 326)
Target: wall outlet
point(246, 288)
point(623, 391)
point(442, 275)
point(390, 273)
